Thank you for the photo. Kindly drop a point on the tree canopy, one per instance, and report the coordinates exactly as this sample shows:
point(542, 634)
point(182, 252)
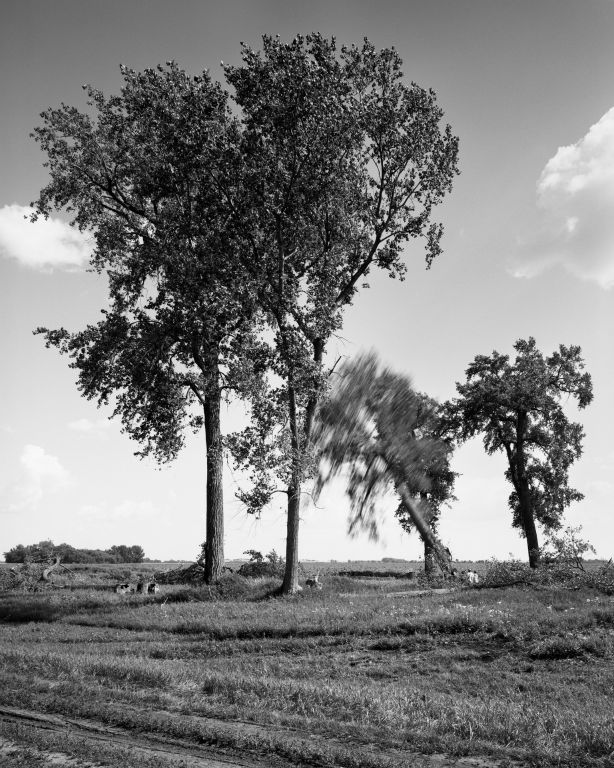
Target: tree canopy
point(209, 226)
point(348, 163)
point(141, 174)
point(517, 408)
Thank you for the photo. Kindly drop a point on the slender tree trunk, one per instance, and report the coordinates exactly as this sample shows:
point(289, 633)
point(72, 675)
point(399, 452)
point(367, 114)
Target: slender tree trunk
point(301, 441)
point(290, 583)
point(214, 548)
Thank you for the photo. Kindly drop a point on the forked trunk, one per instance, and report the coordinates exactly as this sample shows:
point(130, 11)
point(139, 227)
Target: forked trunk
point(214, 547)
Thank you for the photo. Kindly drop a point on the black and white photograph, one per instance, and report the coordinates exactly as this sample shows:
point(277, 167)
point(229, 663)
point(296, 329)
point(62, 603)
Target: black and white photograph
point(306, 329)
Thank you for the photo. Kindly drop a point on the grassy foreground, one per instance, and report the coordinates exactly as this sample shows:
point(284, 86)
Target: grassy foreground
point(353, 675)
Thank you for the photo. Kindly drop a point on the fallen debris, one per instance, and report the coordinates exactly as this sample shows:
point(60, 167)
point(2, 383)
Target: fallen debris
point(191, 574)
point(32, 576)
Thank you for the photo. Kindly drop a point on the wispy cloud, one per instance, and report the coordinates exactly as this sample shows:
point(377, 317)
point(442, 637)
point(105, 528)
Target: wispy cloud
point(45, 244)
point(575, 198)
point(41, 474)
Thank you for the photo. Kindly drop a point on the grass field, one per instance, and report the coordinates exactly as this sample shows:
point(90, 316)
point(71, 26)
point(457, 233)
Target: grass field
point(361, 673)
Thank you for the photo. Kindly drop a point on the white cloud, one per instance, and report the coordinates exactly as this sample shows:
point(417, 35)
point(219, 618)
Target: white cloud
point(575, 198)
point(42, 474)
point(98, 428)
point(45, 244)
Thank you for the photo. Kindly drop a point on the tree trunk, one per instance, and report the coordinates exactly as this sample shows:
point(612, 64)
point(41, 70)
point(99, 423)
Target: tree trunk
point(300, 447)
point(290, 583)
point(430, 563)
point(528, 524)
point(214, 547)
point(423, 528)
point(524, 495)
point(429, 559)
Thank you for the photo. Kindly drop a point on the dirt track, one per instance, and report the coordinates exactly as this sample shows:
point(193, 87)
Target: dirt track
point(189, 753)
point(193, 755)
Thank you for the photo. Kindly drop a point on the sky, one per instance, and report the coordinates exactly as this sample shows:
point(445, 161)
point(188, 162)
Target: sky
point(528, 251)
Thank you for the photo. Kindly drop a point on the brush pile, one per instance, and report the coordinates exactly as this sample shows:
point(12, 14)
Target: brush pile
point(191, 574)
point(31, 576)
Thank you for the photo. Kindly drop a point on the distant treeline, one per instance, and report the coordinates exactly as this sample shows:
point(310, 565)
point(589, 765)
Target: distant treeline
point(120, 553)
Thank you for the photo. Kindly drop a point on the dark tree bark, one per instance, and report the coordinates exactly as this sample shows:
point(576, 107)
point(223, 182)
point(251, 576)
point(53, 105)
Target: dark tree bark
point(528, 524)
point(524, 496)
point(214, 547)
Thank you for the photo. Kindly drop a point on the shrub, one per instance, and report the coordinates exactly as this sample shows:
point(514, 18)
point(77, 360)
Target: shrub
point(258, 567)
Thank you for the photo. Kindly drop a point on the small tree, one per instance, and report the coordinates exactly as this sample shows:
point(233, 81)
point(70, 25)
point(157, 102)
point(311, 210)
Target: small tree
point(347, 163)
point(440, 476)
point(567, 548)
point(517, 407)
point(369, 430)
point(142, 174)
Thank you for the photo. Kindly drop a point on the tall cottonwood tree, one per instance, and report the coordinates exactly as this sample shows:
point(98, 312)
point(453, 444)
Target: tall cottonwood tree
point(517, 408)
point(347, 163)
point(137, 170)
point(370, 431)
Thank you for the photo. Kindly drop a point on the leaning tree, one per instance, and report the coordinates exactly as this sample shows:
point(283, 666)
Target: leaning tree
point(517, 408)
point(140, 171)
point(370, 432)
point(437, 469)
point(345, 165)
